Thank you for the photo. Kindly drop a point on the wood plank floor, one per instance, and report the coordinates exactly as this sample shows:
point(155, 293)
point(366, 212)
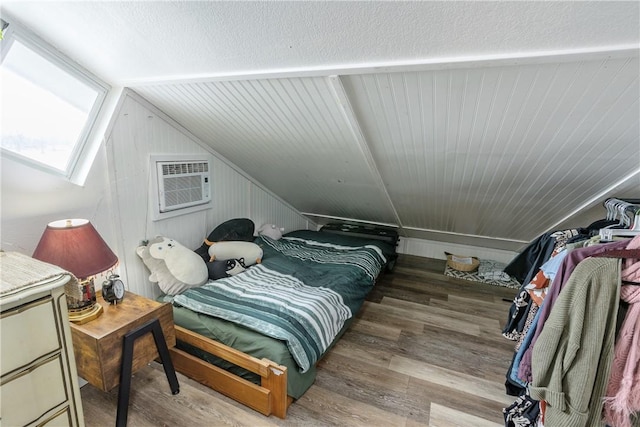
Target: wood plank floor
point(425, 350)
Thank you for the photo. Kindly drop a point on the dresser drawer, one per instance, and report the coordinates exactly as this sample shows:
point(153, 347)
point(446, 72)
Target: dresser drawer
point(28, 332)
point(61, 418)
point(30, 394)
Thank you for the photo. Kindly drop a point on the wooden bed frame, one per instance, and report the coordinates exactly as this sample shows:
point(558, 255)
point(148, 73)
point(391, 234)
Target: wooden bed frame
point(270, 397)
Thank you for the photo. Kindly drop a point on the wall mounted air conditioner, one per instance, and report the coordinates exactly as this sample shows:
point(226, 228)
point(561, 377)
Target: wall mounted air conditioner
point(182, 185)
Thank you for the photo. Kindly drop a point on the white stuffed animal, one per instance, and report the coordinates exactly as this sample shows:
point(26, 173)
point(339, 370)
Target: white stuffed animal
point(271, 230)
point(221, 251)
point(174, 267)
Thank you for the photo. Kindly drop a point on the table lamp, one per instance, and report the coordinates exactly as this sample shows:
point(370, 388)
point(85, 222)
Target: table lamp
point(75, 246)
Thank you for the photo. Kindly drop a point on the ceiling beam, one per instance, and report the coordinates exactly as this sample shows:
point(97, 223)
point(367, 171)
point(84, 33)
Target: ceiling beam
point(340, 94)
point(418, 65)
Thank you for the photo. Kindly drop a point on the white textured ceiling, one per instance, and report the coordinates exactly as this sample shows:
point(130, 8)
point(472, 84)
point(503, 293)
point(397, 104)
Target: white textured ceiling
point(474, 122)
point(142, 40)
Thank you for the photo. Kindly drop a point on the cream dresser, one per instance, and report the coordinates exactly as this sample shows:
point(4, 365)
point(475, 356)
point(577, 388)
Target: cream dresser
point(38, 377)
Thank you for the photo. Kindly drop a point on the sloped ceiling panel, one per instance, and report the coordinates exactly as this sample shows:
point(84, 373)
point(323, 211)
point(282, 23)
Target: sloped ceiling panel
point(491, 152)
point(503, 151)
point(288, 134)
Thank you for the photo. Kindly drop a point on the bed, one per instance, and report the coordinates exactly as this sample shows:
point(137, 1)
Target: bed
point(257, 336)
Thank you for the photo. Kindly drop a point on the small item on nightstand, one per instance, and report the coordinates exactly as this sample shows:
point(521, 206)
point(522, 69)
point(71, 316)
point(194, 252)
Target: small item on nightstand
point(113, 289)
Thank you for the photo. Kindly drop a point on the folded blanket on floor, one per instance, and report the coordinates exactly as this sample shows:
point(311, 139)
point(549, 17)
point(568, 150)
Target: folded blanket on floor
point(492, 270)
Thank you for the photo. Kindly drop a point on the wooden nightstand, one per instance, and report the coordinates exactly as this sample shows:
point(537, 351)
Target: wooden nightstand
point(125, 338)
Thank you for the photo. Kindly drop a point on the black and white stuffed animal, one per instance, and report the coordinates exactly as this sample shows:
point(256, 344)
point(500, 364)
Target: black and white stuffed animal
point(226, 268)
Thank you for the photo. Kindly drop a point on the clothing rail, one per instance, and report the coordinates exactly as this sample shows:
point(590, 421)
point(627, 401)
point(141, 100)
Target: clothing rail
point(628, 213)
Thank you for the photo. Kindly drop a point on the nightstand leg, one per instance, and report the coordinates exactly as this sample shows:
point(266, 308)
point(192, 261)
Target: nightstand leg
point(165, 358)
point(152, 326)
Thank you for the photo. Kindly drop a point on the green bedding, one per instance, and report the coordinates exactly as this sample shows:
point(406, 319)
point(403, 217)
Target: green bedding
point(247, 341)
point(350, 273)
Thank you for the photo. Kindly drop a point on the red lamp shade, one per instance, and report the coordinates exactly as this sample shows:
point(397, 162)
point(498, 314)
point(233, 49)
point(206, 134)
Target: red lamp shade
point(74, 245)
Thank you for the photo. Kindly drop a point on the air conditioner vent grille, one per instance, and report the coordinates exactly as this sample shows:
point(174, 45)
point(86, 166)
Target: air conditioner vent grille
point(182, 190)
point(184, 168)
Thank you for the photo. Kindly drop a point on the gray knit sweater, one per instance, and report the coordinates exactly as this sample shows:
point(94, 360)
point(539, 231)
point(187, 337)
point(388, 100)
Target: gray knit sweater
point(573, 354)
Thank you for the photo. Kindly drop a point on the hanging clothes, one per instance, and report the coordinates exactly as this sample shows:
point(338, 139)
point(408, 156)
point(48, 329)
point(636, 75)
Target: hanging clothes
point(528, 262)
point(524, 412)
point(531, 328)
point(524, 267)
point(578, 338)
point(569, 263)
point(573, 354)
point(622, 399)
point(573, 365)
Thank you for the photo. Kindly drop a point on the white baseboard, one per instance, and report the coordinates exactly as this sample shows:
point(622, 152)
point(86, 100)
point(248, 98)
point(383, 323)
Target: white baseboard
point(433, 249)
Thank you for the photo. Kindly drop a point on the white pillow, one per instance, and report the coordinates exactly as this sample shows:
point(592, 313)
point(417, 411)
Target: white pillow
point(174, 267)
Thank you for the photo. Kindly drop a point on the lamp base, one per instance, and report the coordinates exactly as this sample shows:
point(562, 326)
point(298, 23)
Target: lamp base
point(85, 315)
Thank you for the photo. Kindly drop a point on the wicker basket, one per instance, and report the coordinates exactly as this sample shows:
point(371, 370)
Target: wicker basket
point(462, 263)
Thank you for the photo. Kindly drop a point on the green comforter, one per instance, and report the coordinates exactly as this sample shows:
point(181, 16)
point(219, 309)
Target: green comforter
point(303, 292)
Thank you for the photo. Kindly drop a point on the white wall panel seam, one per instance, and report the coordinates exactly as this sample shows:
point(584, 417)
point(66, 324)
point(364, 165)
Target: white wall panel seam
point(345, 105)
point(320, 112)
point(339, 137)
point(317, 91)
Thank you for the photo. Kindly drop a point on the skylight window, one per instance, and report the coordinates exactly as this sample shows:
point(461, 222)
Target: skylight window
point(48, 104)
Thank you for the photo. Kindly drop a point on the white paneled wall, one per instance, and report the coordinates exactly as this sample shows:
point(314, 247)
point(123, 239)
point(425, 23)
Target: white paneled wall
point(268, 210)
point(431, 249)
point(499, 150)
point(138, 131)
point(290, 133)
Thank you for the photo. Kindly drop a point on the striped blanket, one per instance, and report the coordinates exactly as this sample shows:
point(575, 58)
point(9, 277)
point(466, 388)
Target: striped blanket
point(302, 294)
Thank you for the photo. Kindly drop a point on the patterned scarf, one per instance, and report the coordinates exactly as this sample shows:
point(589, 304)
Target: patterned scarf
point(623, 390)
